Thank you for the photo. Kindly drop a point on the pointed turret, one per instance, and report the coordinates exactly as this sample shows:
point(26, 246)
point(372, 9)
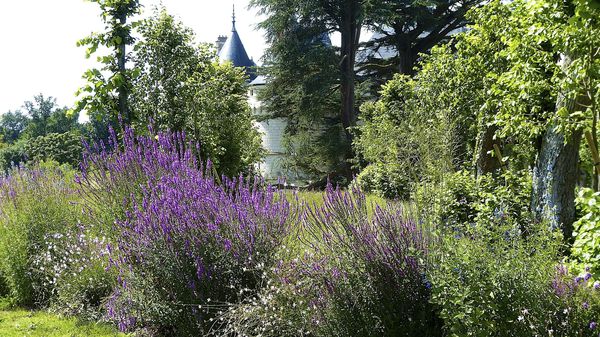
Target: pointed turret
point(233, 51)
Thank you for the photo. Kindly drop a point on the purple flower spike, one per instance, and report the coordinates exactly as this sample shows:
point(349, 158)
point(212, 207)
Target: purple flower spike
point(196, 236)
point(593, 325)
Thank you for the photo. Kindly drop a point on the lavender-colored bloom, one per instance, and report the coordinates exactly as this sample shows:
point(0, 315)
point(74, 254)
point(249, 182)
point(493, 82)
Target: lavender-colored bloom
point(587, 276)
point(382, 250)
point(192, 235)
point(593, 325)
point(585, 305)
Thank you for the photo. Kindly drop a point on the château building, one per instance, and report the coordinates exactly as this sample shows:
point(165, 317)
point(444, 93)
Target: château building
point(231, 49)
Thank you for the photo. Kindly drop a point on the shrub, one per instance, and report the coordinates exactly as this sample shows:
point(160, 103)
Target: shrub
point(463, 201)
point(387, 181)
point(65, 148)
point(186, 246)
point(33, 203)
point(12, 155)
point(500, 281)
point(586, 247)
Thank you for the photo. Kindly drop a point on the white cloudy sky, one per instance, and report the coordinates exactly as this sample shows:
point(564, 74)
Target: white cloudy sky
point(37, 41)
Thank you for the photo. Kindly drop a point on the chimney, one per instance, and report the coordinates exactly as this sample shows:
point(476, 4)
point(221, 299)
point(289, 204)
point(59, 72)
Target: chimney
point(220, 42)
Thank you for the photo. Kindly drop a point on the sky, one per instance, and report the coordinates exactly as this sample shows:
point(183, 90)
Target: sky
point(38, 52)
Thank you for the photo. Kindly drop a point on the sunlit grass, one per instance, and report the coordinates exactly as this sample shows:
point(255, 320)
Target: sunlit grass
point(20, 323)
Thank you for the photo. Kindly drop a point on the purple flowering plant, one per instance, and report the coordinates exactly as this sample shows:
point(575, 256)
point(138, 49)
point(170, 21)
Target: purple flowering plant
point(186, 244)
point(34, 202)
point(368, 269)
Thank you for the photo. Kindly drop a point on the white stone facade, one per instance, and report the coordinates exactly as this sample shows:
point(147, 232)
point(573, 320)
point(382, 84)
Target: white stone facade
point(272, 130)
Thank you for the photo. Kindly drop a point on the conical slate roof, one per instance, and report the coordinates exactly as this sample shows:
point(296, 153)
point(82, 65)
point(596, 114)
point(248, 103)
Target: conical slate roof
point(233, 51)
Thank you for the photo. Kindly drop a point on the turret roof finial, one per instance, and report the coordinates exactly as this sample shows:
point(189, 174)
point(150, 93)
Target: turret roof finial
point(233, 18)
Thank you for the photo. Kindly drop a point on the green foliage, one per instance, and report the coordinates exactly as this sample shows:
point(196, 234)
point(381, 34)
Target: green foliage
point(586, 247)
point(12, 155)
point(64, 148)
point(46, 117)
point(411, 29)
point(33, 203)
point(502, 281)
point(181, 87)
point(408, 130)
point(45, 132)
point(305, 94)
point(104, 97)
point(12, 125)
point(306, 72)
point(540, 37)
point(487, 281)
point(487, 201)
point(387, 181)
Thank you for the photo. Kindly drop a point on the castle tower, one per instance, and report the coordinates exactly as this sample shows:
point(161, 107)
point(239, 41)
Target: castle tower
point(233, 51)
point(272, 130)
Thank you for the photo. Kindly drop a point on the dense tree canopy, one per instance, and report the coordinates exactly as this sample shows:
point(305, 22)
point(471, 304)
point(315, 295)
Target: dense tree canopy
point(522, 82)
point(12, 125)
point(410, 29)
point(325, 79)
point(182, 87)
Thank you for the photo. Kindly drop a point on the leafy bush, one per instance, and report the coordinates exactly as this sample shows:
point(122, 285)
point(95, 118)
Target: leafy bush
point(185, 246)
point(500, 281)
point(33, 203)
point(463, 201)
point(12, 155)
point(586, 247)
point(387, 181)
point(65, 148)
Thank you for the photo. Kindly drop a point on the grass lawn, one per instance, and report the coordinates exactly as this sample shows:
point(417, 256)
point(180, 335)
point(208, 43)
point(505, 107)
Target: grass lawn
point(20, 323)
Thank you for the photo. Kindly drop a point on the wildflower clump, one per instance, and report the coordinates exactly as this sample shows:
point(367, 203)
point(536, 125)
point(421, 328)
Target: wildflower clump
point(355, 270)
point(369, 268)
point(186, 245)
point(73, 271)
point(34, 202)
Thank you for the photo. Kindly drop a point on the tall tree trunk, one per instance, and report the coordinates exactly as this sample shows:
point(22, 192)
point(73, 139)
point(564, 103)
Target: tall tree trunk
point(121, 59)
point(555, 171)
point(406, 59)
point(554, 180)
point(350, 35)
point(484, 161)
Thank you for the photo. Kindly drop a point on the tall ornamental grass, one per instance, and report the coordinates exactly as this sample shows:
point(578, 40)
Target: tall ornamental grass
point(186, 245)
